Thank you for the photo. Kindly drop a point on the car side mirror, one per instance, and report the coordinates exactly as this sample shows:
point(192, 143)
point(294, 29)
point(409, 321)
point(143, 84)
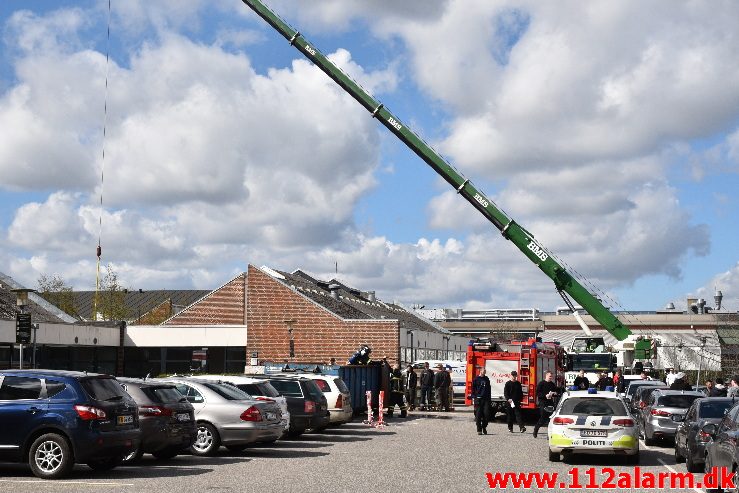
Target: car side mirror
point(710, 429)
point(678, 418)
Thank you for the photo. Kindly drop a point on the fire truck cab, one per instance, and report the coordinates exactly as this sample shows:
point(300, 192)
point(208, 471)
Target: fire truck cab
point(530, 358)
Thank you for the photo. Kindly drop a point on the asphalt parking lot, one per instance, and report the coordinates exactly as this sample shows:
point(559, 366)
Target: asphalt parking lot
point(425, 452)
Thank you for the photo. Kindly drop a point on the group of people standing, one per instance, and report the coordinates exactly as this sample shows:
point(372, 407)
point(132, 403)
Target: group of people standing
point(436, 389)
point(546, 392)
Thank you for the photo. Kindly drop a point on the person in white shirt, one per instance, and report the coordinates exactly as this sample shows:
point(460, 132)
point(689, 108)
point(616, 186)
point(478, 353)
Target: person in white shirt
point(671, 376)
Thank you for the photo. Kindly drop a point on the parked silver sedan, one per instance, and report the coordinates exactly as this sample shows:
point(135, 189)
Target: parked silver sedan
point(227, 416)
point(658, 419)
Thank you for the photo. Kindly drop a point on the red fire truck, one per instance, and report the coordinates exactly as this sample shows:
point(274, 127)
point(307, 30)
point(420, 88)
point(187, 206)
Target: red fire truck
point(529, 358)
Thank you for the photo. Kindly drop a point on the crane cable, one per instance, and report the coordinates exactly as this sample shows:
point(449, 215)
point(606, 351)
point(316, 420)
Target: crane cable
point(99, 250)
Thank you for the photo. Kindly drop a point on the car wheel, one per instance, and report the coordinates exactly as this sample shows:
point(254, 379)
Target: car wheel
point(105, 464)
point(633, 460)
point(134, 456)
point(207, 442)
point(647, 439)
point(295, 433)
point(50, 457)
point(235, 448)
point(554, 456)
point(165, 454)
point(679, 458)
point(690, 465)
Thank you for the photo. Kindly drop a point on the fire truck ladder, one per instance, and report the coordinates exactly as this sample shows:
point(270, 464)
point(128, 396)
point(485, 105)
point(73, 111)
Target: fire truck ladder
point(524, 366)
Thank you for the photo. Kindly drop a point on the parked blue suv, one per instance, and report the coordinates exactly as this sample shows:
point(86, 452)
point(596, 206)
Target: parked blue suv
point(54, 419)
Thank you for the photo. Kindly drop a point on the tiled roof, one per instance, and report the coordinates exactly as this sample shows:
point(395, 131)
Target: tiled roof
point(40, 312)
point(353, 303)
point(138, 303)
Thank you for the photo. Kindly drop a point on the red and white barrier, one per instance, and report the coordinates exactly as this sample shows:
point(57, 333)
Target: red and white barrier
point(370, 418)
point(381, 407)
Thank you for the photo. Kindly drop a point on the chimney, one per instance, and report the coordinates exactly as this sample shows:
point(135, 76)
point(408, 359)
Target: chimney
point(717, 298)
point(701, 306)
point(691, 303)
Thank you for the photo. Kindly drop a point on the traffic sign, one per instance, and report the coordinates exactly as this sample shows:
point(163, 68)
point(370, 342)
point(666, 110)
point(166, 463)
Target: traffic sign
point(23, 328)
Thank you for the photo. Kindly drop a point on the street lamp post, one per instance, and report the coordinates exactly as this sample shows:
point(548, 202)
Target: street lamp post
point(23, 323)
point(700, 361)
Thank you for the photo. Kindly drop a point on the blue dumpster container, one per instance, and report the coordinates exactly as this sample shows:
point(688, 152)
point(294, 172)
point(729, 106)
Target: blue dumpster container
point(360, 379)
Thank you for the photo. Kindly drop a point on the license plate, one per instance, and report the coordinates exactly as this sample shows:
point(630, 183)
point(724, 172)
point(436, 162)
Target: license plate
point(270, 416)
point(124, 420)
point(183, 417)
point(593, 433)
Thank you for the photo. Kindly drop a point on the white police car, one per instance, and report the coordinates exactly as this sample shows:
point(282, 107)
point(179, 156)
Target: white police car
point(593, 422)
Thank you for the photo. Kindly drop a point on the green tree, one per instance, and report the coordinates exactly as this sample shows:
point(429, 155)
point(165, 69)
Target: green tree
point(111, 299)
point(56, 291)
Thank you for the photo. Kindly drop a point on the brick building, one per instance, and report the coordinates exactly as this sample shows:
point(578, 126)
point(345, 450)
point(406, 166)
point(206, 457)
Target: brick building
point(281, 317)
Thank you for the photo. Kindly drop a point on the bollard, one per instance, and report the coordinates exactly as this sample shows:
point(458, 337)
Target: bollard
point(370, 419)
point(381, 406)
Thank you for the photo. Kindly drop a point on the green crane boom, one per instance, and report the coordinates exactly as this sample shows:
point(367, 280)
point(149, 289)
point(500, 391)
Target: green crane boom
point(525, 241)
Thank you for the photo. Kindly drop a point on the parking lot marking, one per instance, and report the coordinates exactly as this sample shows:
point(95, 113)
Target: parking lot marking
point(86, 483)
point(671, 469)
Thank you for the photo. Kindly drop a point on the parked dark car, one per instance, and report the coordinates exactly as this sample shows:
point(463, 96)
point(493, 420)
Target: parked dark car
point(663, 406)
point(54, 419)
point(305, 401)
point(690, 440)
point(723, 448)
point(634, 385)
point(641, 399)
point(166, 419)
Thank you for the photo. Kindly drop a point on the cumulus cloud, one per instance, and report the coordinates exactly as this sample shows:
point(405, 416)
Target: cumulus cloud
point(576, 114)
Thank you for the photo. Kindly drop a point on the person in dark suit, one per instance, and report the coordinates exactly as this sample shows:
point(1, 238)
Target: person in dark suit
point(513, 394)
point(546, 391)
point(581, 381)
point(481, 396)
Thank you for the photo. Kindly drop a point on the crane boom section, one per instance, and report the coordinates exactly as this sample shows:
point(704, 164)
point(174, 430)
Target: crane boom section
point(524, 240)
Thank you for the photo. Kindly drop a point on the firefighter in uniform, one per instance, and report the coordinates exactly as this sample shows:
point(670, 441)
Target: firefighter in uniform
point(361, 356)
point(396, 393)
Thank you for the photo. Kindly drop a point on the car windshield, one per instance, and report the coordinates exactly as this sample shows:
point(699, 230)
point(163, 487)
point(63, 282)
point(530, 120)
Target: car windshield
point(341, 385)
point(717, 409)
point(103, 389)
point(323, 385)
point(592, 406)
point(288, 388)
point(681, 401)
point(165, 395)
point(636, 386)
point(313, 389)
point(646, 391)
point(227, 391)
point(268, 390)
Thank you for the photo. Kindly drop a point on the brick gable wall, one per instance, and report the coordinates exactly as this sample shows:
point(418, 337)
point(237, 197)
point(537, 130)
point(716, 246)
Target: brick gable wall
point(273, 308)
point(224, 306)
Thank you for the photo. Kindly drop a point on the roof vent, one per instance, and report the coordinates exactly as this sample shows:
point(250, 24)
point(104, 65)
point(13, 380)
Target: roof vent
point(717, 298)
point(334, 290)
